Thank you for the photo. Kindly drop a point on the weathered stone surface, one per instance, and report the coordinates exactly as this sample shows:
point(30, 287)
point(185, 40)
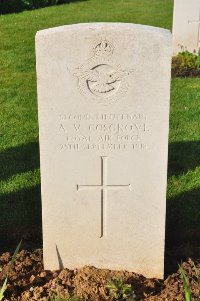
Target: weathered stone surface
point(186, 26)
point(103, 95)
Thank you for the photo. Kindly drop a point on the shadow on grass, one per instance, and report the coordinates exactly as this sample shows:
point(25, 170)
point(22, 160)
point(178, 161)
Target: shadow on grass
point(21, 218)
point(183, 156)
point(182, 229)
point(18, 6)
point(19, 159)
point(183, 219)
point(183, 210)
point(20, 210)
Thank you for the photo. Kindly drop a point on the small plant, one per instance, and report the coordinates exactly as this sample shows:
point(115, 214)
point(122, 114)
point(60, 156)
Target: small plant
point(198, 60)
point(57, 298)
point(197, 275)
point(120, 291)
point(3, 288)
point(186, 64)
point(59, 294)
point(186, 284)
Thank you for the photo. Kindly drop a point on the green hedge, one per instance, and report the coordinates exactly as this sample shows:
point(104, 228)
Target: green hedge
point(12, 6)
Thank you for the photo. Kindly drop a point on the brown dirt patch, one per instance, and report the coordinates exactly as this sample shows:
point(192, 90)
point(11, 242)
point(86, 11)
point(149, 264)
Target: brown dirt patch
point(28, 281)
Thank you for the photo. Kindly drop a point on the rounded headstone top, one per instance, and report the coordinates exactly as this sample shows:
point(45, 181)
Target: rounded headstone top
point(102, 26)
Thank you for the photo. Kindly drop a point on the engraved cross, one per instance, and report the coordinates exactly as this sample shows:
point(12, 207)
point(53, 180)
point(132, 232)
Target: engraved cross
point(104, 187)
point(196, 21)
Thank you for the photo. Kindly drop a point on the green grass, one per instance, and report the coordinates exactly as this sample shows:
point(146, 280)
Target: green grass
point(19, 150)
point(183, 205)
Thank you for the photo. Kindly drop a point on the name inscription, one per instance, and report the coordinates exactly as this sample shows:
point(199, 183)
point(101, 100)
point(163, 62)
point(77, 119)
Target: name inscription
point(111, 132)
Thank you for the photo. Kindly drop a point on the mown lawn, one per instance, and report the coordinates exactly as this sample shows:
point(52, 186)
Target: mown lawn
point(183, 202)
point(19, 150)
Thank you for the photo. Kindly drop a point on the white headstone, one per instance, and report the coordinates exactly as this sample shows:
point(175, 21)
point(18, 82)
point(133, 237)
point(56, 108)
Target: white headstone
point(186, 26)
point(103, 94)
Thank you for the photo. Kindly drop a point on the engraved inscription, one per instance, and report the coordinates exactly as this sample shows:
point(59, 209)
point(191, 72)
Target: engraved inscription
point(104, 187)
point(99, 77)
point(111, 132)
point(107, 116)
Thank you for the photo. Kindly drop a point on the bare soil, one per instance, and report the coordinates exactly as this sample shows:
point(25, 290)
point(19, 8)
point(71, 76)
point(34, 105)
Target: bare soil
point(28, 281)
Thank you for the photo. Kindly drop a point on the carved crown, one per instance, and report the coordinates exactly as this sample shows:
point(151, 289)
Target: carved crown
point(104, 47)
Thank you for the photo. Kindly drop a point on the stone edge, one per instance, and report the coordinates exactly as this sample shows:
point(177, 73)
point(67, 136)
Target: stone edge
point(100, 25)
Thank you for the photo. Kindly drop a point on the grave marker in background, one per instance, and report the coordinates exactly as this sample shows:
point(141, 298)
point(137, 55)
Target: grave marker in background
point(186, 26)
point(103, 96)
